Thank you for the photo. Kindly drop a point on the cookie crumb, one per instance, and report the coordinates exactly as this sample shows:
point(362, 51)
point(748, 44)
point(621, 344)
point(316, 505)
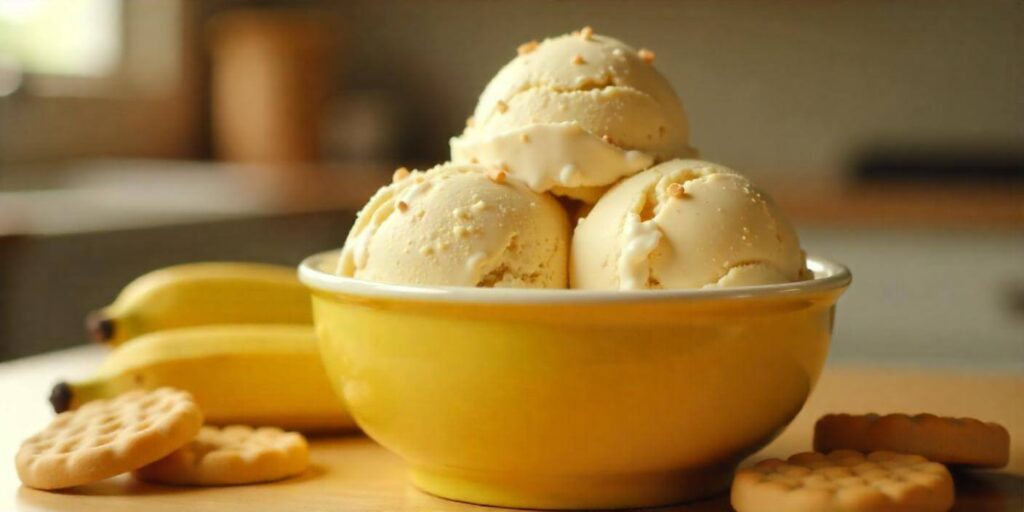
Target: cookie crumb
point(502, 106)
point(676, 190)
point(527, 47)
point(646, 55)
point(578, 59)
point(400, 174)
point(586, 33)
point(497, 175)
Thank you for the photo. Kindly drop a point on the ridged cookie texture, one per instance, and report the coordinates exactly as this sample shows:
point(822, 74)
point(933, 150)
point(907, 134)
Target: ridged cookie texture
point(955, 441)
point(844, 481)
point(108, 437)
point(232, 455)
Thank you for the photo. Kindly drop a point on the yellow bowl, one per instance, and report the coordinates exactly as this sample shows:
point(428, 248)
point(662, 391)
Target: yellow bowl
point(572, 399)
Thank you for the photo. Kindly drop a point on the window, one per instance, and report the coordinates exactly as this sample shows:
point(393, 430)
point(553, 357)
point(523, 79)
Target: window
point(61, 37)
point(92, 78)
point(82, 48)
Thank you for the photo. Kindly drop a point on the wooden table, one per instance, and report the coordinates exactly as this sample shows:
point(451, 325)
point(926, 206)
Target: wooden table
point(354, 474)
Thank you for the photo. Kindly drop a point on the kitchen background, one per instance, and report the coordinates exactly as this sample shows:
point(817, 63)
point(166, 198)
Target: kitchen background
point(135, 135)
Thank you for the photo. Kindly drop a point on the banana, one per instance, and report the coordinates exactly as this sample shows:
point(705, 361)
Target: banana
point(249, 374)
point(203, 294)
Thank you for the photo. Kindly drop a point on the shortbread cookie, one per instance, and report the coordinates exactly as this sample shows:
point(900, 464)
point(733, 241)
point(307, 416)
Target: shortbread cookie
point(960, 441)
point(230, 456)
point(844, 481)
point(104, 438)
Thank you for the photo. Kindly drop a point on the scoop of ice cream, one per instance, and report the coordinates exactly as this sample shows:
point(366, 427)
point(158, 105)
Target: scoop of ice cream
point(684, 224)
point(459, 225)
point(574, 114)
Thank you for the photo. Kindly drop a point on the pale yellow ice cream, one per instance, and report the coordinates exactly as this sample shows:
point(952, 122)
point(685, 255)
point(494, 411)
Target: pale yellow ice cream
point(574, 114)
point(459, 225)
point(684, 224)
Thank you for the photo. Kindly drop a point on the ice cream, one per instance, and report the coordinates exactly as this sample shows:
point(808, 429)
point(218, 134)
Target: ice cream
point(459, 225)
point(684, 224)
point(573, 115)
point(586, 117)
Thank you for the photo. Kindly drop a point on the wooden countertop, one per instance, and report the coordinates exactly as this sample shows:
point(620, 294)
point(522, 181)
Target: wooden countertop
point(354, 474)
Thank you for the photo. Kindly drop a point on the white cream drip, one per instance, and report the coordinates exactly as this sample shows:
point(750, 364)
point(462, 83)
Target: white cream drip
point(361, 246)
point(545, 162)
point(640, 239)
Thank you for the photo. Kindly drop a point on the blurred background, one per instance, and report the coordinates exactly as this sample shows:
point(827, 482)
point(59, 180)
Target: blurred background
point(135, 135)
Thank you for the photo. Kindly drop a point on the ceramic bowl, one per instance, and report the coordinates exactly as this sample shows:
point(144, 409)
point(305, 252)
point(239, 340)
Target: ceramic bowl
point(573, 399)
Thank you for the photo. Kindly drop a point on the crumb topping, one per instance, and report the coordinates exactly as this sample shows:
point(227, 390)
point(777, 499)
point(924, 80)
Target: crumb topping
point(527, 47)
point(400, 174)
point(497, 175)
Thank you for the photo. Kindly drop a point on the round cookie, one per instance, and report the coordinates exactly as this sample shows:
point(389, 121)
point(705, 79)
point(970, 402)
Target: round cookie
point(844, 481)
point(231, 456)
point(954, 441)
point(105, 438)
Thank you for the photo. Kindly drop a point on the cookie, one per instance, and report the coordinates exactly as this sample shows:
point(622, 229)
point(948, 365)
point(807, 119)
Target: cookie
point(844, 481)
point(954, 441)
point(105, 438)
point(231, 456)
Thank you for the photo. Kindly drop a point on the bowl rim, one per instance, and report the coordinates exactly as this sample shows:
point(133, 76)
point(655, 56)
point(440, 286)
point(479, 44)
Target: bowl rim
point(828, 275)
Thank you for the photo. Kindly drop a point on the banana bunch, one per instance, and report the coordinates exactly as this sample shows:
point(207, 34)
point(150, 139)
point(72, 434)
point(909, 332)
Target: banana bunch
point(238, 337)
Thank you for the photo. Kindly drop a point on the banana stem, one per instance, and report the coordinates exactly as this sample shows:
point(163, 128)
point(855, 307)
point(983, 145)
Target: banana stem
point(67, 396)
point(60, 397)
point(100, 326)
